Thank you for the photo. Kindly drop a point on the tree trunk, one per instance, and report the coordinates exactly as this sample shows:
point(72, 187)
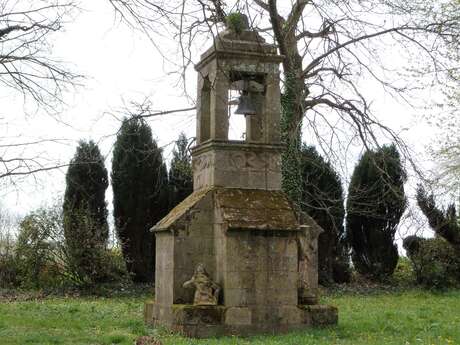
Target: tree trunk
point(291, 120)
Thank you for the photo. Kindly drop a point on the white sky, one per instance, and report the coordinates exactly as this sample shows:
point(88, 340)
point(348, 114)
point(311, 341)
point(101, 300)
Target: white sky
point(122, 66)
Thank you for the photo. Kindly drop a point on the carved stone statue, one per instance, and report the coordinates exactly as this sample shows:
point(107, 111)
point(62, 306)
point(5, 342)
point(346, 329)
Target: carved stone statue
point(206, 291)
point(307, 244)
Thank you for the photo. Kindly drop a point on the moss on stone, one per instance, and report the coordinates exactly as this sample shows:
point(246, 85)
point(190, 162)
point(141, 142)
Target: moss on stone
point(180, 210)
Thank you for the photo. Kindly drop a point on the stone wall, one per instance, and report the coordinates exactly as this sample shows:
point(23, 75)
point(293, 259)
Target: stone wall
point(260, 276)
point(237, 165)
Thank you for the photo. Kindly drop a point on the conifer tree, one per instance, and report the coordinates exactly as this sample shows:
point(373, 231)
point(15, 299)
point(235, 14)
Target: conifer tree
point(180, 173)
point(445, 223)
point(375, 204)
point(140, 195)
point(85, 213)
point(322, 199)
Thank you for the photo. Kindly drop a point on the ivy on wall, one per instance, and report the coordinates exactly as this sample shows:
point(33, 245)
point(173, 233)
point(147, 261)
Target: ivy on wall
point(291, 136)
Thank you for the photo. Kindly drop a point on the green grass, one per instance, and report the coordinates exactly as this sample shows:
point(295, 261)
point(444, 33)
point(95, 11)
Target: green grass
point(412, 317)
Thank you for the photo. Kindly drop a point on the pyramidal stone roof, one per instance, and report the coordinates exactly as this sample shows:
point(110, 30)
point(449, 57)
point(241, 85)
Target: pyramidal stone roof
point(240, 209)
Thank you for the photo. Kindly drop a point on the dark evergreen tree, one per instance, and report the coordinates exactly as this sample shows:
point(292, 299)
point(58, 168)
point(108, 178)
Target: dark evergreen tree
point(322, 199)
point(140, 195)
point(85, 213)
point(445, 223)
point(180, 173)
point(375, 204)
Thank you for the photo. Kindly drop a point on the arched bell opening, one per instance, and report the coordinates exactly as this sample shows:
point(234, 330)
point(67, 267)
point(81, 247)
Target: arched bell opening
point(246, 99)
point(204, 111)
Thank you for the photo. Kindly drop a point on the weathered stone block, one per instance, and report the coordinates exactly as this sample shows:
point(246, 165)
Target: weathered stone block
point(275, 297)
point(290, 314)
point(238, 316)
point(239, 297)
point(163, 315)
point(266, 315)
point(281, 280)
point(240, 280)
point(149, 312)
point(164, 287)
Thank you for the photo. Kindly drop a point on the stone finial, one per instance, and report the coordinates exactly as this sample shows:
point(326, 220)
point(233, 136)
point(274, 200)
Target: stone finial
point(237, 22)
point(206, 291)
point(238, 28)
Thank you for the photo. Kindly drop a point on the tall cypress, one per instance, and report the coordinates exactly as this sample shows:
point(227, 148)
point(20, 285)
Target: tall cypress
point(375, 204)
point(85, 213)
point(180, 173)
point(140, 195)
point(322, 199)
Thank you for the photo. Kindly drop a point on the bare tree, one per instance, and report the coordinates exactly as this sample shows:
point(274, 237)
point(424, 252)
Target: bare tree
point(28, 68)
point(445, 150)
point(8, 225)
point(22, 164)
point(26, 64)
point(332, 49)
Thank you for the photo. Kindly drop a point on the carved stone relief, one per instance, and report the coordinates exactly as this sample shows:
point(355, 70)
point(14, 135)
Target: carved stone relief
point(201, 165)
point(247, 161)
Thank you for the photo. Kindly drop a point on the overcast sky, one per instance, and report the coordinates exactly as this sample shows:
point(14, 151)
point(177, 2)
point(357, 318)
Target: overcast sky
point(123, 66)
point(120, 66)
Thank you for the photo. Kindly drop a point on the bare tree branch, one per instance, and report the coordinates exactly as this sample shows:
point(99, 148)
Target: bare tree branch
point(25, 47)
point(333, 49)
point(294, 16)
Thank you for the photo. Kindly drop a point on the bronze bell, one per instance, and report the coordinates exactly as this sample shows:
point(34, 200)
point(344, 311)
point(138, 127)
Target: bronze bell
point(246, 105)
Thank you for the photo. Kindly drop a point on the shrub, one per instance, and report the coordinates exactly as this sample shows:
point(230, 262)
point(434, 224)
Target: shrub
point(9, 273)
point(8, 264)
point(86, 256)
point(341, 269)
point(42, 255)
point(404, 275)
point(35, 248)
point(434, 260)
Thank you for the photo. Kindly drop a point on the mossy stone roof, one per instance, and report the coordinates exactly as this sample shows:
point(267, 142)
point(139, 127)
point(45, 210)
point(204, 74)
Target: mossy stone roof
point(240, 209)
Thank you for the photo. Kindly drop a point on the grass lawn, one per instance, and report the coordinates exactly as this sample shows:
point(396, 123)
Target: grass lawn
point(412, 317)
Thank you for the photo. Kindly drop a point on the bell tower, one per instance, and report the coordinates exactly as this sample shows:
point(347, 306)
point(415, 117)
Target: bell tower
point(246, 65)
point(237, 240)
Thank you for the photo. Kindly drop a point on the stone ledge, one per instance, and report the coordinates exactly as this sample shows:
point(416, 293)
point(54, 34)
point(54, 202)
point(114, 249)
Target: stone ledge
point(237, 145)
point(215, 321)
point(184, 314)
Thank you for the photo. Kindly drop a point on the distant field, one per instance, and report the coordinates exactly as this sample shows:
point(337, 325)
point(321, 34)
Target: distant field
point(401, 319)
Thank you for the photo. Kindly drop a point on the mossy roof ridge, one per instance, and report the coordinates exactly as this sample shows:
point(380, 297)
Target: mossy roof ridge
point(181, 209)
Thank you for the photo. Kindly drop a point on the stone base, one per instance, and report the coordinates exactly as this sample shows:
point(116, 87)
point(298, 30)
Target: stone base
point(215, 321)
